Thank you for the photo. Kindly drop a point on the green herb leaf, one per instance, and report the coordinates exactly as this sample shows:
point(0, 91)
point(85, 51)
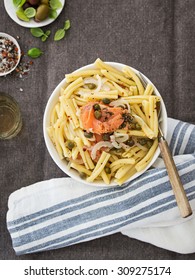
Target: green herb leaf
point(21, 3)
point(17, 3)
point(55, 4)
point(34, 52)
point(60, 33)
point(47, 33)
point(44, 38)
point(37, 32)
point(20, 14)
point(53, 14)
point(67, 24)
point(30, 12)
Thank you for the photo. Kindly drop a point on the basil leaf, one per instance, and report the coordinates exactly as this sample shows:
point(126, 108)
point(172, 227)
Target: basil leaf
point(60, 33)
point(21, 3)
point(44, 38)
point(20, 14)
point(17, 3)
point(34, 52)
point(47, 33)
point(53, 14)
point(67, 24)
point(55, 4)
point(37, 32)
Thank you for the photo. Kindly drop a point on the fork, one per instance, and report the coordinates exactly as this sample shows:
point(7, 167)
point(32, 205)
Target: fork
point(177, 186)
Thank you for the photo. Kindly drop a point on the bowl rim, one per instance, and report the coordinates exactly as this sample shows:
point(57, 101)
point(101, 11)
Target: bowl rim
point(5, 35)
point(52, 151)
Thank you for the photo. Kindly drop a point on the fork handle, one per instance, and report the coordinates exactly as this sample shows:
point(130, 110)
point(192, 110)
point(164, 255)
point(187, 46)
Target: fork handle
point(180, 195)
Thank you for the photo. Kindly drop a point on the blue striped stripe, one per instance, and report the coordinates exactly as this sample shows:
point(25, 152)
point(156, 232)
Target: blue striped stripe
point(180, 139)
point(99, 213)
point(175, 134)
point(97, 233)
point(190, 146)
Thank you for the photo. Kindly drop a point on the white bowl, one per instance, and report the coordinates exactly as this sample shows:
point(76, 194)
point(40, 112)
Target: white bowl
point(11, 10)
point(52, 151)
point(5, 35)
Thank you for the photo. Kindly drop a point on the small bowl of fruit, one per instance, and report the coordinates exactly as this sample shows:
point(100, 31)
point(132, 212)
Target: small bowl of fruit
point(34, 13)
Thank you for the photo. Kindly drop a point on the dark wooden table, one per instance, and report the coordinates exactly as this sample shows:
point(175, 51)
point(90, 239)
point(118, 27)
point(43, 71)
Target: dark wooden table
point(157, 37)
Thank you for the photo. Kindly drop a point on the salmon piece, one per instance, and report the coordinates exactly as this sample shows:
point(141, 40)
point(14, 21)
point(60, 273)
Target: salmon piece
point(98, 137)
point(110, 120)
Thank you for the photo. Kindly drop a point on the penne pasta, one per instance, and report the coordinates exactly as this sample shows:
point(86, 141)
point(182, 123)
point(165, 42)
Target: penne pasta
point(85, 73)
point(129, 72)
point(99, 167)
point(72, 87)
point(144, 162)
point(148, 90)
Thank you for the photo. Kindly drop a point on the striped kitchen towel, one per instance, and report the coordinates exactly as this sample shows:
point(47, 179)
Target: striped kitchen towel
point(61, 212)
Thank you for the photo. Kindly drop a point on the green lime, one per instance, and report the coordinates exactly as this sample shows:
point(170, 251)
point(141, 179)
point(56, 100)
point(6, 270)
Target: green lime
point(30, 12)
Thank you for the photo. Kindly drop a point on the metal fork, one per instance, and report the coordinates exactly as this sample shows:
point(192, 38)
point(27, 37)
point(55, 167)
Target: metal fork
point(177, 186)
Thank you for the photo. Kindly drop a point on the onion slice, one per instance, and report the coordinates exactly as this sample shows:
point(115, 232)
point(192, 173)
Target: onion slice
point(98, 146)
point(121, 137)
point(120, 102)
point(99, 84)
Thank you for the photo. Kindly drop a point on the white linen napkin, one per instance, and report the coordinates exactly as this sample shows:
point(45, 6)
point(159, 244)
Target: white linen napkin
point(60, 212)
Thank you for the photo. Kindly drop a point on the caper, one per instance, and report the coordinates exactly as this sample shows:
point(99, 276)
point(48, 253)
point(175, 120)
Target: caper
point(122, 125)
point(96, 107)
point(106, 100)
point(132, 126)
point(97, 114)
point(106, 136)
point(112, 150)
point(142, 141)
point(107, 170)
point(120, 150)
point(137, 126)
point(42, 12)
point(88, 134)
point(82, 175)
point(130, 142)
point(91, 86)
point(149, 144)
point(70, 144)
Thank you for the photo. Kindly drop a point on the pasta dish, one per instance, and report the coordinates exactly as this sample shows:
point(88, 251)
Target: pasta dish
point(105, 123)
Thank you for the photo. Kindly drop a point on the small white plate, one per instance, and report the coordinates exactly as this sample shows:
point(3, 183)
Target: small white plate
point(5, 35)
point(11, 10)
